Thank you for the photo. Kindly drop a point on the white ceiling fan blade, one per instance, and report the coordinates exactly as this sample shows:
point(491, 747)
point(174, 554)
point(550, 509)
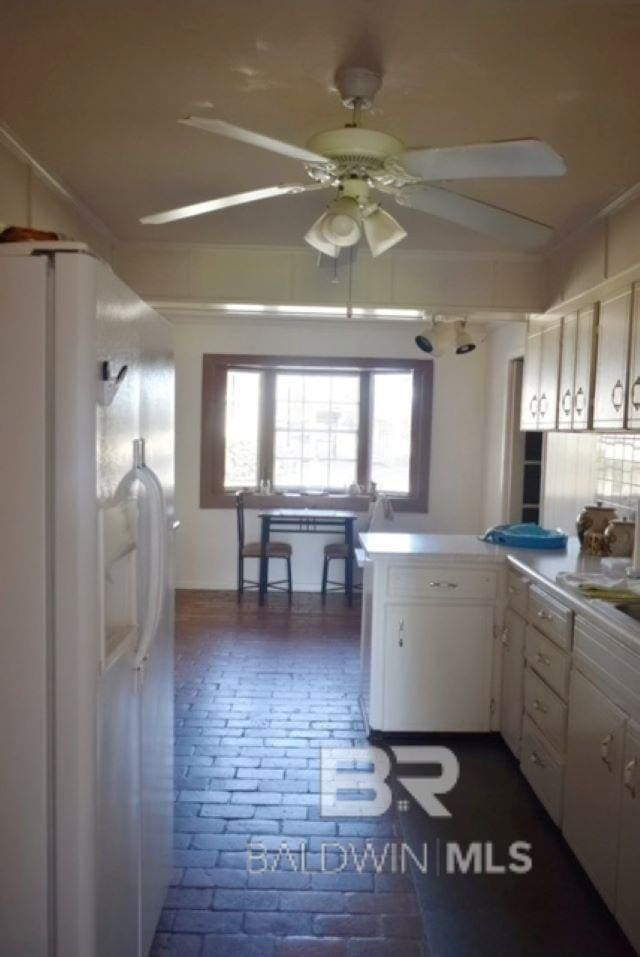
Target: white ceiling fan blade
point(509, 158)
point(223, 202)
point(508, 227)
point(253, 139)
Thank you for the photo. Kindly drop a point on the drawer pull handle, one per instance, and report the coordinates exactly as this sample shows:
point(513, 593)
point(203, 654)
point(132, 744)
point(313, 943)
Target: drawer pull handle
point(537, 760)
point(605, 756)
point(443, 584)
point(504, 638)
point(545, 616)
point(543, 659)
point(566, 402)
point(634, 401)
point(533, 405)
point(629, 777)
point(541, 410)
point(579, 401)
point(539, 706)
point(401, 633)
point(511, 590)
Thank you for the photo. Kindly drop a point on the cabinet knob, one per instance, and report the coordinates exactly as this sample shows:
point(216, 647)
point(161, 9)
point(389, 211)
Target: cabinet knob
point(545, 616)
point(629, 777)
point(539, 706)
point(537, 760)
point(605, 755)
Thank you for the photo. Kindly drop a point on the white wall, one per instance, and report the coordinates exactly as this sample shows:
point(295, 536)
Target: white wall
point(28, 197)
point(504, 343)
point(207, 538)
point(570, 477)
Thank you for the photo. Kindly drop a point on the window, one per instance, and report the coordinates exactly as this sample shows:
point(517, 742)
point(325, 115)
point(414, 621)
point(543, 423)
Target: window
point(317, 427)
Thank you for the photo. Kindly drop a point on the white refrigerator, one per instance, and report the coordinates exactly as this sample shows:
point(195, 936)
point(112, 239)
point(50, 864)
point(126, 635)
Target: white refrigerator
point(86, 607)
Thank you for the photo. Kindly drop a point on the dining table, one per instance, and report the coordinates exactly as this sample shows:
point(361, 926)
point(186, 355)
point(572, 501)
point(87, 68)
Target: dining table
point(309, 521)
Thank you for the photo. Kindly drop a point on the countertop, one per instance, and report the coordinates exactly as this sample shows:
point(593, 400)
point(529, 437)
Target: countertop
point(538, 565)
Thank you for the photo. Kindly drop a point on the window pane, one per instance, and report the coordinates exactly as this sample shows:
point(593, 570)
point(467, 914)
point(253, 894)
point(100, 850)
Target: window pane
point(241, 429)
point(391, 431)
point(316, 437)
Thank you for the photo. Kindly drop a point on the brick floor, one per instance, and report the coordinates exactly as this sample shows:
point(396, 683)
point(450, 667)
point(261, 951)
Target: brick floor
point(259, 691)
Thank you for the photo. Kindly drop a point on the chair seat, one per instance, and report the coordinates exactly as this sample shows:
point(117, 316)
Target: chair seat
point(336, 550)
point(274, 550)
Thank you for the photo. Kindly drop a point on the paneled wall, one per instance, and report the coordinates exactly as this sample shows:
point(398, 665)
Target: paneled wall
point(30, 198)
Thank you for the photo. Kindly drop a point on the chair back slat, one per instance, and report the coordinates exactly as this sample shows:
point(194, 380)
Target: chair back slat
point(240, 518)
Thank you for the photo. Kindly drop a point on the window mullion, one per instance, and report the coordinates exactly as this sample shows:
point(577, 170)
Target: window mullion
point(267, 425)
point(364, 429)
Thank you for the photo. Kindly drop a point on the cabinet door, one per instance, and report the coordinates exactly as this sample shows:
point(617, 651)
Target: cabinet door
point(511, 697)
point(633, 404)
point(567, 371)
point(438, 667)
point(531, 380)
point(595, 749)
point(584, 368)
point(611, 363)
point(549, 373)
point(628, 909)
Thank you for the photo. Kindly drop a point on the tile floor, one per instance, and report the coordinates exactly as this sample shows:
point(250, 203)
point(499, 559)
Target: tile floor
point(259, 691)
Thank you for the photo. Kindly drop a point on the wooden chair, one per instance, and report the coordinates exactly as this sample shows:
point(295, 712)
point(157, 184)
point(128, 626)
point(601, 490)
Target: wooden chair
point(340, 551)
point(253, 550)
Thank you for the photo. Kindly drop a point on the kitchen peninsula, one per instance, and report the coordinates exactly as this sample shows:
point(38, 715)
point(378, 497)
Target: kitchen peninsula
point(459, 635)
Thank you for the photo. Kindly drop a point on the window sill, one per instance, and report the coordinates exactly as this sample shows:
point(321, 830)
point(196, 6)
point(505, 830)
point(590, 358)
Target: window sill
point(352, 503)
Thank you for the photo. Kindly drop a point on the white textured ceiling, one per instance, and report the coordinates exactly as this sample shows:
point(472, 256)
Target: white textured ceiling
point(94, 89)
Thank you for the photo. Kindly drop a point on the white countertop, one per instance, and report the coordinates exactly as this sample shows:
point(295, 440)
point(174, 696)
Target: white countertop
point(541, 565)
point(409, 545)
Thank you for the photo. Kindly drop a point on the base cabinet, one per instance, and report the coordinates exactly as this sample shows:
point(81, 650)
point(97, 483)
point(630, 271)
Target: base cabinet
point(628, 902)
point(593, 785)
point(512, 688)
point(438, 666)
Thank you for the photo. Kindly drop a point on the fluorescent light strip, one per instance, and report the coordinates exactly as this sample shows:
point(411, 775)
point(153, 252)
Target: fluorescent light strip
point(320, 311)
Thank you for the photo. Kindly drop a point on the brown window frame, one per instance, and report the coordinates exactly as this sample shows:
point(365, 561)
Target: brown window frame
point(212, 450)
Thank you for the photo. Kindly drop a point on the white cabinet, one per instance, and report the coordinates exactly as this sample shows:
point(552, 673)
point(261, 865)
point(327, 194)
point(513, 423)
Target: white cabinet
point(438, 665)
point(586, 333)
point(628, 903)
point(633, 399)
point(611, 366)
point(511, 698)
point(531, 379)
point(540, 376)
point(593, 785)
point(567, 371)
point(577, 366)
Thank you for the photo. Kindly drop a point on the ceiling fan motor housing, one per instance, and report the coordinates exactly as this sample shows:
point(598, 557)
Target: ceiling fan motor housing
point(354, 146)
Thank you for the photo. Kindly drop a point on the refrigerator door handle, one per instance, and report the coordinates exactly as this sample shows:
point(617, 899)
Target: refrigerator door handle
point(157, 554)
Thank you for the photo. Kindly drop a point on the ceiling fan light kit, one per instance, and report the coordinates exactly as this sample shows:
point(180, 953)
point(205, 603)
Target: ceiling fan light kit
point(355, 161)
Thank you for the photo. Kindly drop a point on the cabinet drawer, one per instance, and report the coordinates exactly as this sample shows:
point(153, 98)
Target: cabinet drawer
point(550, 617)
point(548, 661)
point(546, 710)
point(542, 768)
point(441, 583)
point(518, 593)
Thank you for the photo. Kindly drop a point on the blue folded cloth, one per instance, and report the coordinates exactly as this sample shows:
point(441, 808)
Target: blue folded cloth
point(525, 535)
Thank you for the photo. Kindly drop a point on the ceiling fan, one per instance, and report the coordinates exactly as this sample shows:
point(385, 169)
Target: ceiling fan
point(356, 162)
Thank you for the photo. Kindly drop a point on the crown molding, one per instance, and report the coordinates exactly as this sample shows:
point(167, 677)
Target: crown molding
point(18, 149)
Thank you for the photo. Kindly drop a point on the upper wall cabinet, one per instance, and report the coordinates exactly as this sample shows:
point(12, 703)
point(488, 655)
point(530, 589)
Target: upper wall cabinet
point(633, 398)
point(577, 368)
point(540, 377)
point(610, 397)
